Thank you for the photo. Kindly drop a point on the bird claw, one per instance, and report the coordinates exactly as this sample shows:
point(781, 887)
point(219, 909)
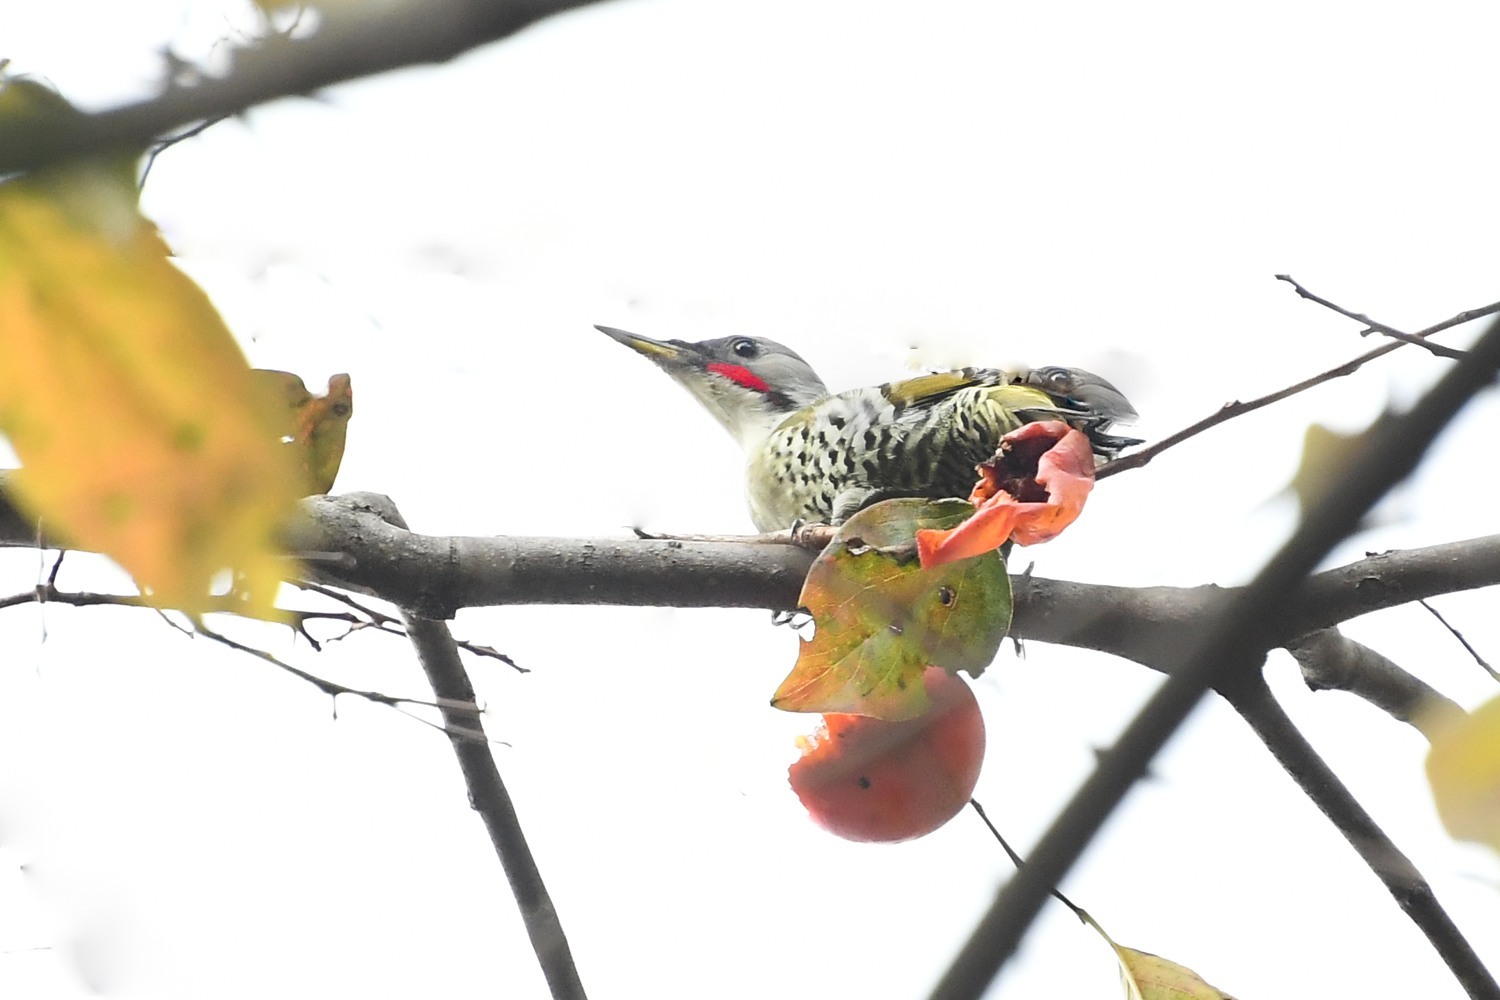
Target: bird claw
point(796, 618)
point(814, 537)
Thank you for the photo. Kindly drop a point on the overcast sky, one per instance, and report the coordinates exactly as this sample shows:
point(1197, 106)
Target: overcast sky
point(1102, 185)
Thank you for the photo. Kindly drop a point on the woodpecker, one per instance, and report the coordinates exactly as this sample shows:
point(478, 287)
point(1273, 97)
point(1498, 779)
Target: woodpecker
point(816, 457)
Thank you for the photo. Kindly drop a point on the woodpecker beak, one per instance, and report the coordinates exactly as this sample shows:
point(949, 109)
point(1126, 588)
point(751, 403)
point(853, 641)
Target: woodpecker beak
point(663, 352)
point(1105, 400)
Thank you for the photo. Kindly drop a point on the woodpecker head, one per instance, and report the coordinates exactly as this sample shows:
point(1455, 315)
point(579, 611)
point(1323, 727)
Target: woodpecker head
point(1098, 403)
point(749, 383)
point(1085, 392)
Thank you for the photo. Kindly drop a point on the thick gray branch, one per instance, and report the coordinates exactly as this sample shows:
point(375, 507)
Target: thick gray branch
point(438, 574)
point(350, 543)
point(1331, 660)
point(443, 573)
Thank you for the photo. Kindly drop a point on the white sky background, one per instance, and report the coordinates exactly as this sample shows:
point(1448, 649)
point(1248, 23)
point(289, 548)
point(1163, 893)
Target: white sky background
point(1109, 186)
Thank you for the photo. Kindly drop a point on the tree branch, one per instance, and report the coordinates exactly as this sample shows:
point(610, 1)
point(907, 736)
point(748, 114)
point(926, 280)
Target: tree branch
point(435, 575)
point(1465, 643)
point(1253, 700)
point(1329, 660)
point(489, 797)
point(438, 654)
point(350, 42)
point(1229, 411)
point(1371, 326)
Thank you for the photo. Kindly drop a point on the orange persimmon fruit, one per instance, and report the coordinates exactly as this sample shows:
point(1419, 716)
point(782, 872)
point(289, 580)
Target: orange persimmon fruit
point(867, 779)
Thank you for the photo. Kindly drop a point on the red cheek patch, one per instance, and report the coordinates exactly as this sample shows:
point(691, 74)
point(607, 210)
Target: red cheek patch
point(740, 375)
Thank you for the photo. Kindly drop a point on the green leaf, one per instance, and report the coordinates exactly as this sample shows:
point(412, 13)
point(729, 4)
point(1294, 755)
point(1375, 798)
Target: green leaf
point(881, 619)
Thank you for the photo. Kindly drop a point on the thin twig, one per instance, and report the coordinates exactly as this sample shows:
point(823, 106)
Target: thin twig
point(56, 568)
point(385, 623)
point(1016, 860)
point(1462, 641)
point(1372, 326)
point(46, 593)
point(162, 145)
point(1229, 411)
point(334, 689)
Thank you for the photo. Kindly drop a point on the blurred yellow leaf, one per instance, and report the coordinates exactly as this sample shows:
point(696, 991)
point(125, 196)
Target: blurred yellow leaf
point(1324, 453)
point(1464, 769)
point(313, 426)
point(139, 428)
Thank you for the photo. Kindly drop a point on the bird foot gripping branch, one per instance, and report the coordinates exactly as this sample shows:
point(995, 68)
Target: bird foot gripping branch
point(910, 582)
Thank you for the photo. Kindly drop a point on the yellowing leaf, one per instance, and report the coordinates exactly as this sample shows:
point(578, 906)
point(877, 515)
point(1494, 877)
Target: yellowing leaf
point(1325, 454)
point(1463, 766)
point(313, 426)
point(1151, 977)
point(140, 431)
point(881, 619)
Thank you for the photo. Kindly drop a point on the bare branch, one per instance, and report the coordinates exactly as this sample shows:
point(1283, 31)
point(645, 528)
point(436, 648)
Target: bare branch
point(438, 655)
point(362, 615)
point(1015, 859)
point(1371, 326)
point(1254, 702)
point(162, 145)
point(350, 42)
point(1143, 624)
point(1331, 660)
point(1235, 409)
point(440, 574)
point(48, 593)
point(1462, 641)
point(330, 688)
point(1140, 623)
point(489, 797)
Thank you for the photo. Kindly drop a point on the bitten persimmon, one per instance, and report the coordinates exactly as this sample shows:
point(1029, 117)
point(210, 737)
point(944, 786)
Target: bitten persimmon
point(868, 779)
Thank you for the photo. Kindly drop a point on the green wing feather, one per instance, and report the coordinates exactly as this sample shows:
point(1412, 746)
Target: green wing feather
point(929, 389)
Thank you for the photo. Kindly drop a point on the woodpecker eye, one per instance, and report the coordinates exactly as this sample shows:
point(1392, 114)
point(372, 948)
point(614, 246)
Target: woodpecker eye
point(745, 347)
